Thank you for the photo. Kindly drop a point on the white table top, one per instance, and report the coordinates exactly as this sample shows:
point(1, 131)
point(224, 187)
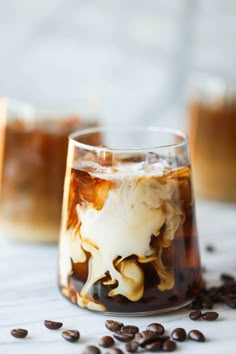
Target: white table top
point(29, 295)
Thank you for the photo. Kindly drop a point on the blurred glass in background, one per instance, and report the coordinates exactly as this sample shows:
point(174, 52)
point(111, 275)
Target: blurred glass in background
point(34, 161)
point(212, 134)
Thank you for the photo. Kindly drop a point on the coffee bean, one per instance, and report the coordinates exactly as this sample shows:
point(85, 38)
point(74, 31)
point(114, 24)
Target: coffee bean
point(19, 333)
point(130, 329)
point(169, 346)
point(106, 341)
point(71, 335)
point(145, 337)
point(196, 335)
point(52, 324)
point(195, 315)
point(196, 304)
point(210, 316)
point(123, 337)
point(179, 334)
point(206, 302)
point(91, 349)
point(156, 327)
point(114, 351)
point(226, 278)
point(210, 248)
point(230, 302)
point(154, 346)
point(113, 326)
point(131, 347)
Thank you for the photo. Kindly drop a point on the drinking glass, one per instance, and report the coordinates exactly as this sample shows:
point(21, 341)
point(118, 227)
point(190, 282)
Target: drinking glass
point(128, 241)
point(212, 135)
point(34, 163)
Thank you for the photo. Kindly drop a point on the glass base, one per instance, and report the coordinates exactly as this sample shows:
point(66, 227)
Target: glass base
point(146, 313)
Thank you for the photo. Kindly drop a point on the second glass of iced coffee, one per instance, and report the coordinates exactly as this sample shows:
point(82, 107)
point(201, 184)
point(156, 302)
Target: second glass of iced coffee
point(128, 242)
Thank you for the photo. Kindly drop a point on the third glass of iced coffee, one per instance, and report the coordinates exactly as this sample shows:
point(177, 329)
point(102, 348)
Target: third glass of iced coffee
point(128, 242)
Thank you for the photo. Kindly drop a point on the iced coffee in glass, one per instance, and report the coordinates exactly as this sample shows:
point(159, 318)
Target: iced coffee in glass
point(128, 241)
point(212, 135)
point(34, 162)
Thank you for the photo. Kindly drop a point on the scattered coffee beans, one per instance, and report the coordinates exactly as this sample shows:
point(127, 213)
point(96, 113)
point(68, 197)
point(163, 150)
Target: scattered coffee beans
point(52, 324)
point(71, 335)
point(91, 349)
point(19, 333)
point(195, 315)
point(123, 336)
point(131, 347)
point(179, 334)
point(196, 336)
point(113, 326)
point(210, 316)
point(156, 327)
point(169, 346)
point(106, 342)
point(130, 329)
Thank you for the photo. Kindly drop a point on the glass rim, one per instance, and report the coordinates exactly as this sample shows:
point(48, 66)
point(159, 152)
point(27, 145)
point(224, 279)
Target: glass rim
point(157, 129)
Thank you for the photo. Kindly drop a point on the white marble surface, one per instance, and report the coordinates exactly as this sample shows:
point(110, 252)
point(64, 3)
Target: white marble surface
point(29, 295)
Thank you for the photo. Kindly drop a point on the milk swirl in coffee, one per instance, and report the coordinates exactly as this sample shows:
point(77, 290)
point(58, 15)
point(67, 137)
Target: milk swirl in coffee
point(128, 235)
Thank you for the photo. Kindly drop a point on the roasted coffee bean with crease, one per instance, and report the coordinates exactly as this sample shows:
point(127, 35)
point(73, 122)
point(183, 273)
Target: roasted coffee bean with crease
point(195, 315)
point(169, 346)
point(229, 301)
point(131, 347)
point(113, 326)
point(114, 351)
point(123, 337)
point(19, 332)
point(52, 324)
point(179, 334)
point(154, 346)
point(91, 349)
point(207, 302)
point(196, 335)
point(71, 335)
point(106, 342)
point(196, 304)
point(210, 316)
point(145, 337)
point(226, 278)
point(130, 329)
point(156, 327)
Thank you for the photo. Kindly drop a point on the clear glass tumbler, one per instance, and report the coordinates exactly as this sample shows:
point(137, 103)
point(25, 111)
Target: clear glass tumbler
point(128, 242)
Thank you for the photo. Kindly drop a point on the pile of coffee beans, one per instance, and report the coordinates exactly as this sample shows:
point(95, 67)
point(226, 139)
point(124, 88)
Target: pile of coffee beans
point(225, 293)
point(153, 338)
